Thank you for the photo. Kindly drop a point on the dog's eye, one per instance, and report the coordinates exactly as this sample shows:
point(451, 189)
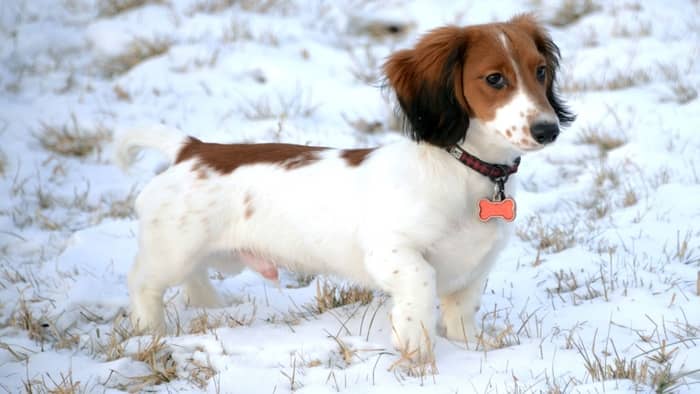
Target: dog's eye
point(541, 73)
point(496, 80)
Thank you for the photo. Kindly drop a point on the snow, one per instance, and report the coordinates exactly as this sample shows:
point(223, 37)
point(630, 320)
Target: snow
point(604, 264)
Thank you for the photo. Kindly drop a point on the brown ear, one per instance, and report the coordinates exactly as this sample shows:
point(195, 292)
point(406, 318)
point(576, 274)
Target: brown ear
point(551, 53)
point(428, 84)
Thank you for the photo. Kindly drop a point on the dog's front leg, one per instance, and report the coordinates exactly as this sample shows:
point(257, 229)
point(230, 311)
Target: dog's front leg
point(410, 280)
point(458, 310)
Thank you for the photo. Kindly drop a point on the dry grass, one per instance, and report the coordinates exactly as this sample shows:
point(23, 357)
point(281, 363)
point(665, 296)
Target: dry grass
point(624, 30)
point(207, 322)
point(211, 6)
point(630, 198)
point(121, 93)
point(200, 373)
point(600, 369)
point(159, 358)
point(72, 139)
point(283, 7)
point(114, 7)
point(604, 140)
point(617, 80)
point(655, 371)
point(23, 318)
point(364, 126)
point(547, 237)
point(297, 104)
point(3, 163)
point(379, 29)
point(329, 295)
point(138, 51)
point(682, 90)
point(108, 8)
point(113, 347)
point(365, 66)
point(238, 30)
point(119, 208)
point(41, 329)
point(606, 176)
point(64, 384)
point(414, 363)
point(571, 11)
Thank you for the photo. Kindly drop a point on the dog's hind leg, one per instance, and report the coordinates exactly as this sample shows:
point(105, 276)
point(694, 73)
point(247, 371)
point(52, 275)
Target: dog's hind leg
point(199, 291)
point(168, 256)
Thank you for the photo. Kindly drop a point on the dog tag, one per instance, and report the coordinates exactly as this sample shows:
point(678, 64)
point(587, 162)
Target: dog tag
point(504, 209)
point(499, 206)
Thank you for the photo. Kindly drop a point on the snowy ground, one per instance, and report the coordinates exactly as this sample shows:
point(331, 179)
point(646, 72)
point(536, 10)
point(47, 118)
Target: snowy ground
point(597, 293)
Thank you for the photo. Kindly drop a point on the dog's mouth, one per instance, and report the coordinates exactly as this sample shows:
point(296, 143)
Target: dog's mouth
point(529, 145)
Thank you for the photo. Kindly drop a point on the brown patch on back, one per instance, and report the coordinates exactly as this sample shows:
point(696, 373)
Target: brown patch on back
point(355, 157)
point(225, 158)
point(305, 158)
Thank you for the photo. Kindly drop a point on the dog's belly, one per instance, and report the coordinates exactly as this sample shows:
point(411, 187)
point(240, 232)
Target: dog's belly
point(275, 238)
point(467, 254)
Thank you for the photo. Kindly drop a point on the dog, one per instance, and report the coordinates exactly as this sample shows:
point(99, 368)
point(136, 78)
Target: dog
point(403, 218)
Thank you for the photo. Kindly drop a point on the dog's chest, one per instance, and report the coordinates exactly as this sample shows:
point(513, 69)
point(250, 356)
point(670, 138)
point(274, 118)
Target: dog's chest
point(467, 252)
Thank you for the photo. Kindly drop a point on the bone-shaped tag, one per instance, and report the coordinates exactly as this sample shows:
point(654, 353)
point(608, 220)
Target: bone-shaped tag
point(497, 209)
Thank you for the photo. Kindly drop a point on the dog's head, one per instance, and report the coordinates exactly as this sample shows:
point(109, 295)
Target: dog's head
point(501, 75)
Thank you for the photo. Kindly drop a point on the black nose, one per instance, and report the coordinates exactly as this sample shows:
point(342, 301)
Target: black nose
point(544, 132)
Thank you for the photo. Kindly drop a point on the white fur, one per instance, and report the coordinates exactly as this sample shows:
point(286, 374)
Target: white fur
point(404, 221)
point(128, 142)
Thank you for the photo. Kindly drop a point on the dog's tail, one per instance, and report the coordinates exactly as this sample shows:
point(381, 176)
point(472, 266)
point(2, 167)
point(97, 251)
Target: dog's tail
point(129, 142)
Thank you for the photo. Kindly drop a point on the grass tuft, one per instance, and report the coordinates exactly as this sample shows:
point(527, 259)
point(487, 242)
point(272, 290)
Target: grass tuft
point(114, 7)
point(159, 358)
point(138, 51)
point(617, 80)
point(72, 140)
point(206, 322)
point(604, 140)
point(548, 237)
point(3, 163)
point(329, 295)
point(64, 384)
point(682, 89)
point(571, 11)
point(295, 105)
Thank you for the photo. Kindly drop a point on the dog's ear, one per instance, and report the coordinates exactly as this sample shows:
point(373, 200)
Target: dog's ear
point(551, 53)
point(428, 84)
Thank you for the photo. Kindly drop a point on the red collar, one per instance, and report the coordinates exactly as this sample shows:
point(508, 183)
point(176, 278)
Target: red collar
point(496, 172)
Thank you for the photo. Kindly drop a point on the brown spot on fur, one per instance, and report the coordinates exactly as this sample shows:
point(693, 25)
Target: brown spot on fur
point(509, 133)
point(248, 213)
point(355, 157)
point(225, 158)
point(248, 204)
